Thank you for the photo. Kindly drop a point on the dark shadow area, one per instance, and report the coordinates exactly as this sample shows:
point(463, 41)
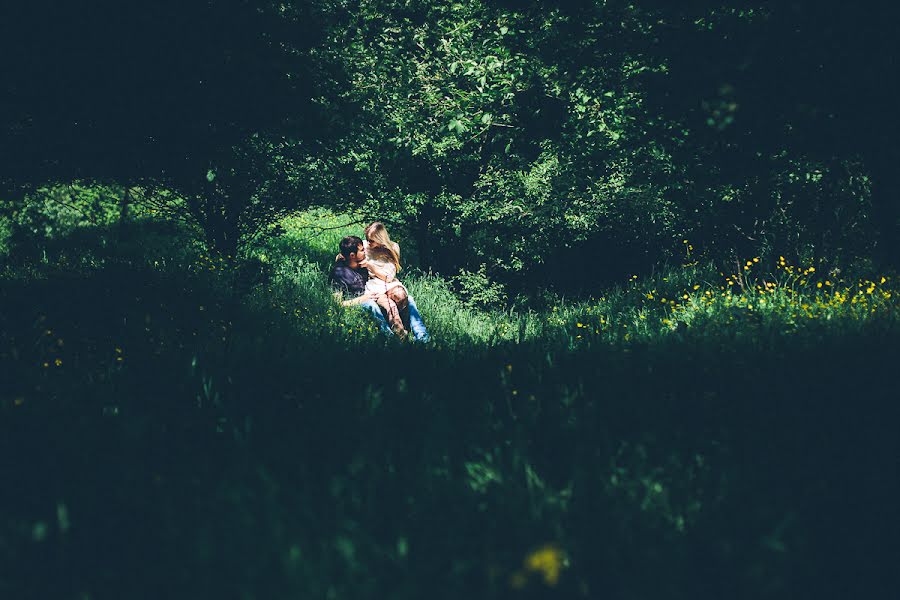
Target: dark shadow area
point(230, 451)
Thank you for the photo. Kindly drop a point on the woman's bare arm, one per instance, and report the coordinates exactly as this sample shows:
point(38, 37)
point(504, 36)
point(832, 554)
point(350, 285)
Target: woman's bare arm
point(385, 272)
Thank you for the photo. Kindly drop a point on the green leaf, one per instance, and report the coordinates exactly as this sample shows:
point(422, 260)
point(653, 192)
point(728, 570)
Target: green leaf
point(457, 126)
point(210, 175)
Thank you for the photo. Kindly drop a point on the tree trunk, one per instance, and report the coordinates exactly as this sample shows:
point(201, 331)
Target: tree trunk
point(125, 206)
point(220, 221)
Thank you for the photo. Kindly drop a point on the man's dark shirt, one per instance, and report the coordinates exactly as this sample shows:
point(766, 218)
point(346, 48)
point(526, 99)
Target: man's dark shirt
point(347, 280)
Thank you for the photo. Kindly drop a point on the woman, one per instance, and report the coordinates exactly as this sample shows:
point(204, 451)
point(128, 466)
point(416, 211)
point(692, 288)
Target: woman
point(383, 264)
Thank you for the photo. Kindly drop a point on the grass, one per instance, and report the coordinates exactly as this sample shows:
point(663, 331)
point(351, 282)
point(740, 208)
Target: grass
point(759, 302)
point(164, 436)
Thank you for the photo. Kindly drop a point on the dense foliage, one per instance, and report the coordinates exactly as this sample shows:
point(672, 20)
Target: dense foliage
point(524, 138)
point(508, 139)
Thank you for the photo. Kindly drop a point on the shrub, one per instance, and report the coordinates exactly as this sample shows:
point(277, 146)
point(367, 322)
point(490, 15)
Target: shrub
point(477, 290)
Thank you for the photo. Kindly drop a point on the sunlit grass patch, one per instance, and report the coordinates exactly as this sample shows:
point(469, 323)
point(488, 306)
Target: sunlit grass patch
point(314, 235)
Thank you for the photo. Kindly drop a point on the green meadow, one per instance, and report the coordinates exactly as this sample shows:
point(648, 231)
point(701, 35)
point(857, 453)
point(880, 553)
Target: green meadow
point(656, 246)
point(180, 425)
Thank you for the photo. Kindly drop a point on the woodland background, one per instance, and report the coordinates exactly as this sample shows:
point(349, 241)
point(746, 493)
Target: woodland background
point(655, 244)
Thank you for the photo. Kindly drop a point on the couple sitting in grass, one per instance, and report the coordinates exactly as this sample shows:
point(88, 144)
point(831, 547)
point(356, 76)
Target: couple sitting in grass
point(366, 273)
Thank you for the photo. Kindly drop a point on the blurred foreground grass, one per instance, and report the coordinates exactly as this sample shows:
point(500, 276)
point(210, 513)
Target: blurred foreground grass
point(177, 427)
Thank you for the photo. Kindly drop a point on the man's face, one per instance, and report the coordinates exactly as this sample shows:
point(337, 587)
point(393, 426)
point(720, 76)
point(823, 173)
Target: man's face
point(359, 255)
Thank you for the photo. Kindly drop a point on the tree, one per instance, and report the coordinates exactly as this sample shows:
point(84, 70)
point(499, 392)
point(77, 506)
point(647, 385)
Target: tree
point(524, 135)
point(508, 137)
point(210, 103)
point(785, 129)
point(516, 136)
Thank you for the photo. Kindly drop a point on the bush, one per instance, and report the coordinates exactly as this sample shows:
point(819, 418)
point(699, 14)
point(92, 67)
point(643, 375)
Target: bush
point(5, 235)
point(477, 290)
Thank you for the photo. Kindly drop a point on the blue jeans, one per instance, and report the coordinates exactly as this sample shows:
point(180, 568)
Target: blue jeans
point(416, 324)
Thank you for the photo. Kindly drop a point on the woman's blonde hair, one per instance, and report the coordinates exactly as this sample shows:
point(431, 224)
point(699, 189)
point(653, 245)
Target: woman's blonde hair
point(377, 233)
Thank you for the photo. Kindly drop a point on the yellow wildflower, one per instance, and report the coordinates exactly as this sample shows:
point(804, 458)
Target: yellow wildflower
point(546, 560)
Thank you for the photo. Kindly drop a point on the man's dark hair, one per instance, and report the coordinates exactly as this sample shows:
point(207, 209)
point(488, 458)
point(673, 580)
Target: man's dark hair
point(349, 245)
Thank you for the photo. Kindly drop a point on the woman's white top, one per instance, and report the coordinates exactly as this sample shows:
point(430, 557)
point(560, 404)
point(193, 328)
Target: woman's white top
point(385, 267)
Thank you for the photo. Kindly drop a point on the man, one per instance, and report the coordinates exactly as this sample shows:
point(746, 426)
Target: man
point(348, 279)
